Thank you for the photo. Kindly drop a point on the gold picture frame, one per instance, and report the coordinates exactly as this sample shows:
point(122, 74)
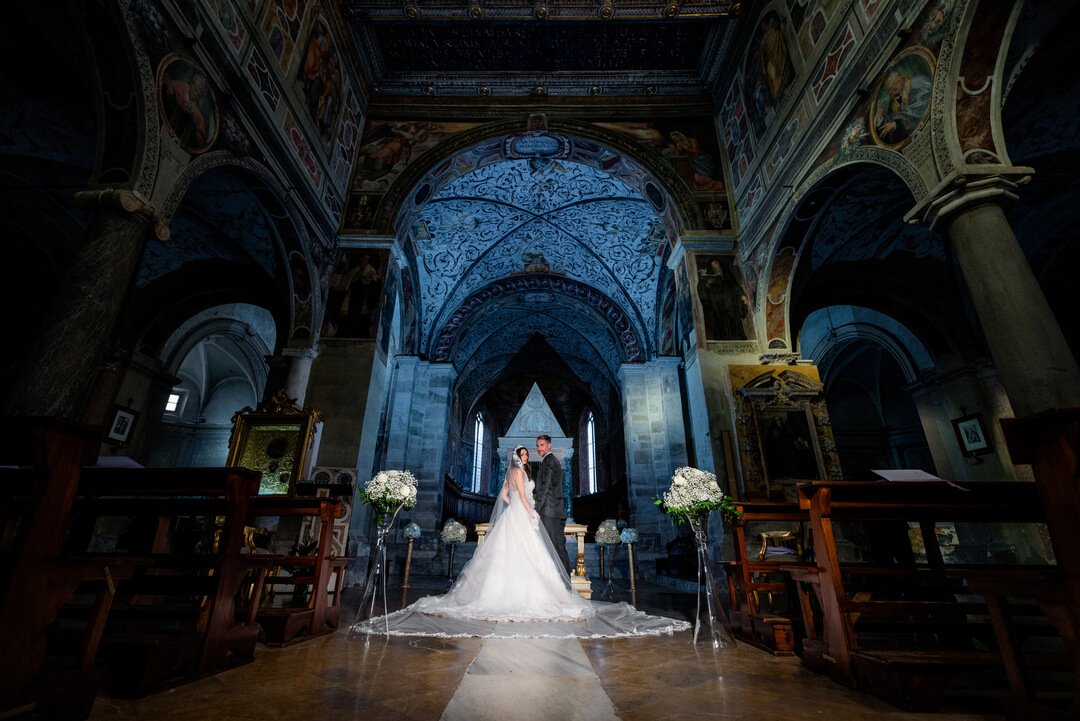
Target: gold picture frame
point(783, 428)
point(275, 439)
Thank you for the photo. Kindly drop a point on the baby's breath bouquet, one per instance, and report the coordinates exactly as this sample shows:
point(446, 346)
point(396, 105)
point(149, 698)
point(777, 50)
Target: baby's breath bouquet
point(453, 532)
point(694, 493)
point(607, 534)
point(388, 491)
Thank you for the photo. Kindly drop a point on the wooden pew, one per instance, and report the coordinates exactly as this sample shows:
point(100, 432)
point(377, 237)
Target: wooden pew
point(285, 626)
point(912, 679)
point(36, 579)
point(770, 631)
point(176, 620)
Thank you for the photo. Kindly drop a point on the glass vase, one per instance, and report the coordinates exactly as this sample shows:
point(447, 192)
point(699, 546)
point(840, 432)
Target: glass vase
point(719, 632)
point(376, 580)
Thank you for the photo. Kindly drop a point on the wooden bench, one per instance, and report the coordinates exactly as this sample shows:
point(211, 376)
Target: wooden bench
point(776, 633)
point(861, 603)
point(320, 615)
point(36, 579)
point(176, 618)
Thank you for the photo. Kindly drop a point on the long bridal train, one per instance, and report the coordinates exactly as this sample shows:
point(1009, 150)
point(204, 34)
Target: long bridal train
point(515, 586)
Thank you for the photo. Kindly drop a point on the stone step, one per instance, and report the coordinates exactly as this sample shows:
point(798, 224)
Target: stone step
point(463, 553)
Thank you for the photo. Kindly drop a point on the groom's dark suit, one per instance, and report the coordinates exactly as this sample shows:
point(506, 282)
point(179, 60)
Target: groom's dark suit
point(551, 504)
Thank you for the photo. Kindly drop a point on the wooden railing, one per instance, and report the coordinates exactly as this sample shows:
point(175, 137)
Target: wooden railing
point(466, 507)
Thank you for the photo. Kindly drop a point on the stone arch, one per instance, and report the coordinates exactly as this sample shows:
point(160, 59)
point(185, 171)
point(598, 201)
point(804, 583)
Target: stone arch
point(792, 276)
point(294, 241)
point(685, 214)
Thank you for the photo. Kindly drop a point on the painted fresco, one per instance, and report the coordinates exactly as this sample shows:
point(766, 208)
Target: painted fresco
point(355, 295)
point(389, 304)
point(230, 22)
point(665, 339)
point(725, 308)
point(833, 64)
point(281, 27)
point(685, 329)
point(776, 297)
point(319, 78)
point(785, 140)
point(690, 145)
point(768, 70)
point(809, 20)
point(901, 100)
point(388, 146)
point(737, 140)
point(409, 326)
point(301, 149)
point(187, 104)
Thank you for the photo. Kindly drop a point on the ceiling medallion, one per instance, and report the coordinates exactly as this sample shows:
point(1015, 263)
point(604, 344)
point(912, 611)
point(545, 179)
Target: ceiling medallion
point(595, 90)
point(650, 90)
point(429, 90)
point(476, 12)
point(606, 11)
point(483, 91)
point(541, 12)
point(539, 90)
point(671, 10)
point(412, 12)
point(537, 144)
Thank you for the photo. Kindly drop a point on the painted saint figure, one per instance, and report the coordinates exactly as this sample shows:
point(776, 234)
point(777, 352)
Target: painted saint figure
point(723, 302)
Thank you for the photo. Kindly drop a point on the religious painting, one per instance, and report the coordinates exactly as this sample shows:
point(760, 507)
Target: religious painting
point(389, 304)
point(684, 330)
point(689, 144)
point(901, 99)
point(186, 103)
point(355, 296)
point(319, 78)
point(388, 146)
point(715, 212)
point(230, 22)
point(409, 342)
point(768, 72)
point(783, 429)
point(721, 293)
point(971, 435)
point(274, 439)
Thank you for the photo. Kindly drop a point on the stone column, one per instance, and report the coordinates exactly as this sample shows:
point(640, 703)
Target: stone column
point(289, 369)
point(60, 369)
point(1037, 368)
point(655, 443)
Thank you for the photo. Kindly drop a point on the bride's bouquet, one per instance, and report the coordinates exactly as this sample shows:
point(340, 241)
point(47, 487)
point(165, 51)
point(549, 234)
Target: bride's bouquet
point(388, 491)
point(453, 532)
point(694, 493)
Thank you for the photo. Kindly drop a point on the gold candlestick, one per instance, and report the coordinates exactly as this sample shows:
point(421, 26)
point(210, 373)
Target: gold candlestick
point(633, 572)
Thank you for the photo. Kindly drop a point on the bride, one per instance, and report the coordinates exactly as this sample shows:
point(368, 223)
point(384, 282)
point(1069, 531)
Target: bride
point(515, 585)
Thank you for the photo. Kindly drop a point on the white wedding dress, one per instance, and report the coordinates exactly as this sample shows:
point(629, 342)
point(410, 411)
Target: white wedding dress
point(514, 586)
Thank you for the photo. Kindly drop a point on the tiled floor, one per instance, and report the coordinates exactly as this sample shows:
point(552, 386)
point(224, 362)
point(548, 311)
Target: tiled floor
point(426, 679)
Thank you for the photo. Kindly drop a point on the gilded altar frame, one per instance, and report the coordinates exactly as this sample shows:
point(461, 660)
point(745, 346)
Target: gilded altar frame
point(783, 429)
point(275, 439)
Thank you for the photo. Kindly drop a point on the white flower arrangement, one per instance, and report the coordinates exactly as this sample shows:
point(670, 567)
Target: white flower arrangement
point(607, 534)
point(389, 490)
point(453, 532)
point(694, 492)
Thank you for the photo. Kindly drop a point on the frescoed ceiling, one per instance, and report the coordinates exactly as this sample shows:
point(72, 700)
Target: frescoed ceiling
point(529, 218)
point(512, 46)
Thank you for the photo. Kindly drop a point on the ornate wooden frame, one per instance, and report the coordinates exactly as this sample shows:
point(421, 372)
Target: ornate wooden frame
point(274, 439)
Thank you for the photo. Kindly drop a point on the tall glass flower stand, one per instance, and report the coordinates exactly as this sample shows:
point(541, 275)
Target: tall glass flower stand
point(376, 580)
point(719, 633)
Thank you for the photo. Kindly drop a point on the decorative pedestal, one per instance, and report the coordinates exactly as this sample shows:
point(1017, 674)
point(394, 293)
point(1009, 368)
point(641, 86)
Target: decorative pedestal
point(579, 579)
point(376, 579)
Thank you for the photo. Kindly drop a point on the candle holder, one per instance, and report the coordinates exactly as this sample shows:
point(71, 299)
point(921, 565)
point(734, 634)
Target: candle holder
point(412, 532)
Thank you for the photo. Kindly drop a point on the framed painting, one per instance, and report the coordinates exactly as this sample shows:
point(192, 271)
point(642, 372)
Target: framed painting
point(275, 440)
point(783, 429)
point(971, 435)
point(121, 424)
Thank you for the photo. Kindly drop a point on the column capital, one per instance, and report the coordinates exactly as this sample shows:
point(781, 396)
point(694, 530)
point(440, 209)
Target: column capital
point(124, 201)
point(964, 188)
point(305, 353)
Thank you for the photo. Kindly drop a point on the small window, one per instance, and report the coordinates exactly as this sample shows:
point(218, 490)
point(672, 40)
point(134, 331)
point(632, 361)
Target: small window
point(174, 406)
point(590, 451)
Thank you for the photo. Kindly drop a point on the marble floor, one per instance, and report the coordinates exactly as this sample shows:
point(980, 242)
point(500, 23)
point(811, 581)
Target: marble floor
point(427, 679)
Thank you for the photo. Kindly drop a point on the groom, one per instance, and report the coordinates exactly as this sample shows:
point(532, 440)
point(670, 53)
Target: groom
point(548, 495)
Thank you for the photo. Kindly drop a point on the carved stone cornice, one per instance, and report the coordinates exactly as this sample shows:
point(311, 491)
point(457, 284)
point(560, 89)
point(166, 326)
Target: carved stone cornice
point(966, 187)
point(123, 201)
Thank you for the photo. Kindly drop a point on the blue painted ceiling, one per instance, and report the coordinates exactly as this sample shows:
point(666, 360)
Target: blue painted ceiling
point(527, 217)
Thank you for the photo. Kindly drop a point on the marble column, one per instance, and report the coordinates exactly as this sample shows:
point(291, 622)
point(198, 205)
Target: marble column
point(1037, 368)
point(655, 442)
point(290, 370)
point(60, 369)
